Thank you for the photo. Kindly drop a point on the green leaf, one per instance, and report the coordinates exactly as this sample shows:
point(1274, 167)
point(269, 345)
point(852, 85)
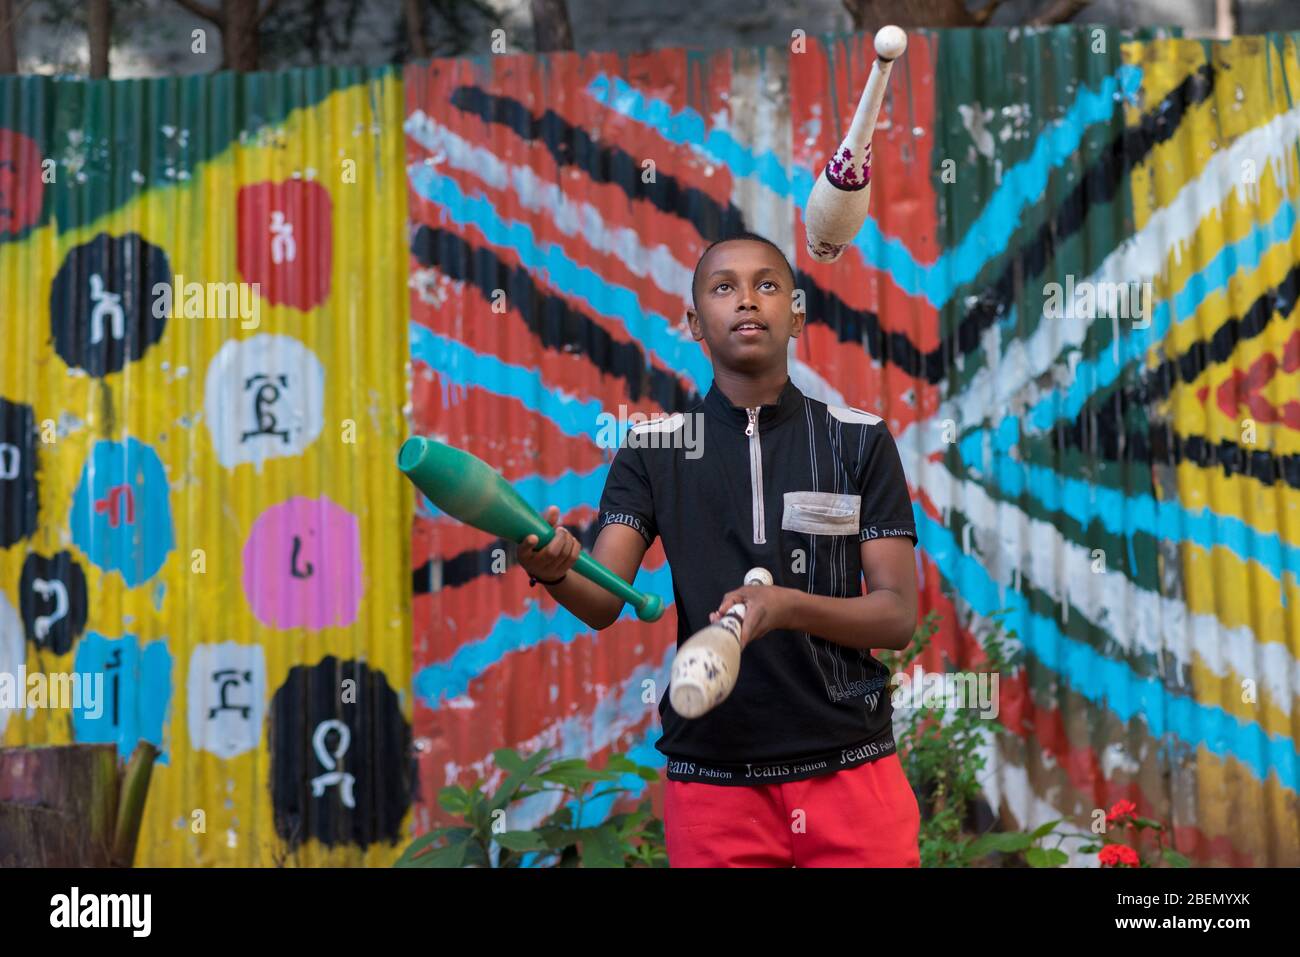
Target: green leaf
point(415, 847)
point(522, 841)
point(1174, 859)
point(575, 778)
point(512, 762)
point(453, 855)
point(454, 799)
point(602, 847)
point(1043, 830)
point(562, 816)
point(1009, 842)
point(622, 764)
point(556, 838)
point(1044, 857)
point(453, 835)
point(629, 824)
point(519, 776)
point(1147, 822)
point(508, 760)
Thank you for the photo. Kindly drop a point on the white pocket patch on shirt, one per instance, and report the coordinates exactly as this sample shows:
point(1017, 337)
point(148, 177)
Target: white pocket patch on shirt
point(821, 513)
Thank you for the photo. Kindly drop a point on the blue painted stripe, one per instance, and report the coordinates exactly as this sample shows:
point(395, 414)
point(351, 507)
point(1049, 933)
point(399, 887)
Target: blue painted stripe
point(460, 365)
point(1097, 372)
point(1105, 682)
point(686, 127)
point(984, 241)
point(451, 678)
point(653, 332)
point(1123, 514)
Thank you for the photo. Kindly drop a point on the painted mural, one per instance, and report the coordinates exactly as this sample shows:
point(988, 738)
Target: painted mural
point(1073, 305)
point(1114, 475)
point(198, 283)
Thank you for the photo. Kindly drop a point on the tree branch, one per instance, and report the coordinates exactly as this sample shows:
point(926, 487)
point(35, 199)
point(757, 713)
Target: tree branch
point(1057, 11)
point(415, 28)
point(981, 16)
point(200, 10)
point(270, 5)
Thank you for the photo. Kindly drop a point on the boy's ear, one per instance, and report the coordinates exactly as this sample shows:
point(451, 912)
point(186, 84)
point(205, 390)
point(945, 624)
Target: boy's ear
point(693, 320)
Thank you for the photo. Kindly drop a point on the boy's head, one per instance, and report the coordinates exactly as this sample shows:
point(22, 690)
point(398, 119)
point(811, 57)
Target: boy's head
point(744, 279)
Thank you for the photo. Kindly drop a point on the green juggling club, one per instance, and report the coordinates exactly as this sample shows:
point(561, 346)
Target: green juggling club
point(470, 490)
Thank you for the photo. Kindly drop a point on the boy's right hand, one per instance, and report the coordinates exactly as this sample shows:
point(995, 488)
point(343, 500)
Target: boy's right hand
point(559, 554)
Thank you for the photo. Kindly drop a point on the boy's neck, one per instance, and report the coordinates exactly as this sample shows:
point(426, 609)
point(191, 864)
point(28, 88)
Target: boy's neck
point(750, 391)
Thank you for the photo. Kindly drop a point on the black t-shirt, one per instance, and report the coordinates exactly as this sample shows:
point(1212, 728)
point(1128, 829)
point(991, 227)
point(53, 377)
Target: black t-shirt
point(796, 497)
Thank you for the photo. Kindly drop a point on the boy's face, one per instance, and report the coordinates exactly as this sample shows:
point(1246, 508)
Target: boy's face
point(745, 282)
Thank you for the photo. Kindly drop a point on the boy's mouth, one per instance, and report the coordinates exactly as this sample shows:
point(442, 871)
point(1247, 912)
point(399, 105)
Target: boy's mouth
point(749, 327)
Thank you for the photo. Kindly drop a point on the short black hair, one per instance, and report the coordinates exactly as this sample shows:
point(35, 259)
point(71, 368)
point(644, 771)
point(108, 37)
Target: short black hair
point(752, 237)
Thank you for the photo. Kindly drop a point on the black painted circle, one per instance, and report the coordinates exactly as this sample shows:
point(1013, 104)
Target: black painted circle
point(128, 267)
point(38, 601)
point(19, 494)
point(379, 756)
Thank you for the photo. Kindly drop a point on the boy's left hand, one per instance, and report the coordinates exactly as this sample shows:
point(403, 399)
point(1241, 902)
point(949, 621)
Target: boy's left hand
point(767, 608)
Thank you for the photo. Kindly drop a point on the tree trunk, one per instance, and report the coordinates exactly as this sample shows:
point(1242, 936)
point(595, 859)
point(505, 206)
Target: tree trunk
point(8, 30)
point(551, 29)
point(239, 35)
point(1056, 11)
point(415, 28)
point(873, 14)
point(99, 23)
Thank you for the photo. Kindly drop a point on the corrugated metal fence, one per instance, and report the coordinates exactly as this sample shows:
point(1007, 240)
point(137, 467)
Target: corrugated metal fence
point(217, 501)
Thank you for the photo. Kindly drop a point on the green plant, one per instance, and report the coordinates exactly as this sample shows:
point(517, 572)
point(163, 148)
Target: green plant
point(939, 750)
point(628, 839)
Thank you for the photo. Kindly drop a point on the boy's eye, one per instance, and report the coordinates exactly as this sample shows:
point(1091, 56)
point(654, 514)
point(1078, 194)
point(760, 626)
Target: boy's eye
point(722, 285)
point(768, 282)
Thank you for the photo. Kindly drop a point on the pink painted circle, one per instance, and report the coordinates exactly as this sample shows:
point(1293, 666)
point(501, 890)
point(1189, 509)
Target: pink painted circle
point(302, 565)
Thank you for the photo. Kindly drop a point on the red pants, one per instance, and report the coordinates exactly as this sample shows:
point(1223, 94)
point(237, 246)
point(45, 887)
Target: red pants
point(863, 817)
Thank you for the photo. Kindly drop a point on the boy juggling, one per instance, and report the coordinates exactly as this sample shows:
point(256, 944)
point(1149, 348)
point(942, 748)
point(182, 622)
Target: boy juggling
point(797, 766)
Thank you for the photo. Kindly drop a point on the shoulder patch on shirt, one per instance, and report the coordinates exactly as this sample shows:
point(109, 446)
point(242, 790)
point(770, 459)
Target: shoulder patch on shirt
point(846, 413)
point(669, 423)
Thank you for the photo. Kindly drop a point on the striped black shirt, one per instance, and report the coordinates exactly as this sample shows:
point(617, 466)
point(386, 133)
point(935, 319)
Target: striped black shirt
point(792, 487)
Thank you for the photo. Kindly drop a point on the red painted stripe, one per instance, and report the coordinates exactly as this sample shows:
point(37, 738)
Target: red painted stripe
point(882, 389)
point(528, 678)
point(429, 88)
point(654, 228)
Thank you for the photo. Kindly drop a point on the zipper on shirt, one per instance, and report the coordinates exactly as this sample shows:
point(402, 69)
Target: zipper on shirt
point(756, 476)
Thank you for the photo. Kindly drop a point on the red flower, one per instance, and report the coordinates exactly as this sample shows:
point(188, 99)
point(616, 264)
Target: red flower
point(1120, 811)
point(1118, 855)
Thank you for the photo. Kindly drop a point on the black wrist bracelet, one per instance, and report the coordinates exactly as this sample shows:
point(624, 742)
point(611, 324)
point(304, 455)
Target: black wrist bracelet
point(533, 581)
